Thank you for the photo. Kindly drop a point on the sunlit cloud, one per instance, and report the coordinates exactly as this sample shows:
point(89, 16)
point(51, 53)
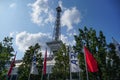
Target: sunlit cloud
point(66, 40)
point(25, 40)
point(13, 5)
point(70, 17)
point(42, 14)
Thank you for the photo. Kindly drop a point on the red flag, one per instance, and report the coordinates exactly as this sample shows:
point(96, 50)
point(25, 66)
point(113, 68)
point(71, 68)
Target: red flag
point(45, 59)
point(92, 65)
point(11, 67)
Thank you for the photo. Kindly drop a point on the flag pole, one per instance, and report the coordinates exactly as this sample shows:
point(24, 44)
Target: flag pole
point(69, 62)
point(16, 77)
point(30, 71)
point(6, 77)
point(44, 65)
point(42, 75)
point(11, 77)
point(79, 69)
point(29, 76)
point(86, 65)
point(11, 67)
point(48, 73)
point(49, 68)
point(79, 75)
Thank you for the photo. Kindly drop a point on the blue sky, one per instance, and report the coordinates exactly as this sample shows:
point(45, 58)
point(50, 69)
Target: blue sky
point(32, 21)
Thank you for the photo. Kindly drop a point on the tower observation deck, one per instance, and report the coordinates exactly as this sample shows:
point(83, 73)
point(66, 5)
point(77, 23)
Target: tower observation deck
point(56, 43)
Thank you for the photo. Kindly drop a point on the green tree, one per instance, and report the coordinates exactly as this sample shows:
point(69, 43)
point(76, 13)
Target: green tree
point(61, 67)
point(24, 69)
point(6, 50)
point(97, 46)
point(113, 64)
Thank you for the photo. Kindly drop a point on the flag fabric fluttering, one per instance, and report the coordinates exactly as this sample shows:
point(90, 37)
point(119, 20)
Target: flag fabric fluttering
point(117, 45)
point(11, 67)
point(45, 60)
point(74, 63)
point(91, 62)
point(34, 69)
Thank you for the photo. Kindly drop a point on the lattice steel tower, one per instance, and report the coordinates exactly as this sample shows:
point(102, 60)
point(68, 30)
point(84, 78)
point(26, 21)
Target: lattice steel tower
point(57, 30)
point(55, 44)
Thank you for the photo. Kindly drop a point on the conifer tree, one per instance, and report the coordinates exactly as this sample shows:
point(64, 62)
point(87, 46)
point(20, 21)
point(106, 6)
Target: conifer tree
point(6, 50)
point(60, 71)
point(104, 53)
point(113, 64)
point(24, 69)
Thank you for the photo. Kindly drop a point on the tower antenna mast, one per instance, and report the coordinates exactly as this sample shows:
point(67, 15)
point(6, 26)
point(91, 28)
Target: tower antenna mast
point(57, 29)
point(56, 43)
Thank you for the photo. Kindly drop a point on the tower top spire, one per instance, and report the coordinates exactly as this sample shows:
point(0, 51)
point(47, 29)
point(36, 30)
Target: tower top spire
point(57, 32)
point(58, 9)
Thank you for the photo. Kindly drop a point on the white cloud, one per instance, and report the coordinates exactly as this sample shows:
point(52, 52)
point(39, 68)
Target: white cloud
point(66, 40)
point(12, 34)
point(41, 12)
point(71, 34)
point(61, 5)
point(25, 39)
point(12, 5)
point(70, 17)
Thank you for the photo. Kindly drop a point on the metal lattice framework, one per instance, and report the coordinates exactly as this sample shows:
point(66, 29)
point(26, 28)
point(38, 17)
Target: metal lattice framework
point(56, 43)
point(57, 30)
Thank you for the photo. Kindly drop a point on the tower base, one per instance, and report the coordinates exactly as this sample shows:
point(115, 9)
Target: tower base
point(54, 46)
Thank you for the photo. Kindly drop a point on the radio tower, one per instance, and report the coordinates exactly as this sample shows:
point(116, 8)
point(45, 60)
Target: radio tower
point(56, 43)
point(56, 32)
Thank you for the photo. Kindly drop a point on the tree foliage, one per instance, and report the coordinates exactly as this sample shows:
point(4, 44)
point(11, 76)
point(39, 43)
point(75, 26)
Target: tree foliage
point(100, 50)
point(113, 64)
point(24, 69)
point(61, 67)
point(6, 50)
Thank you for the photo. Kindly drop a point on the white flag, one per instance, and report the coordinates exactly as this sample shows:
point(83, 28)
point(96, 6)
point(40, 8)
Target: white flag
point(74, 63)
point(34, 69)
point(117, 45)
